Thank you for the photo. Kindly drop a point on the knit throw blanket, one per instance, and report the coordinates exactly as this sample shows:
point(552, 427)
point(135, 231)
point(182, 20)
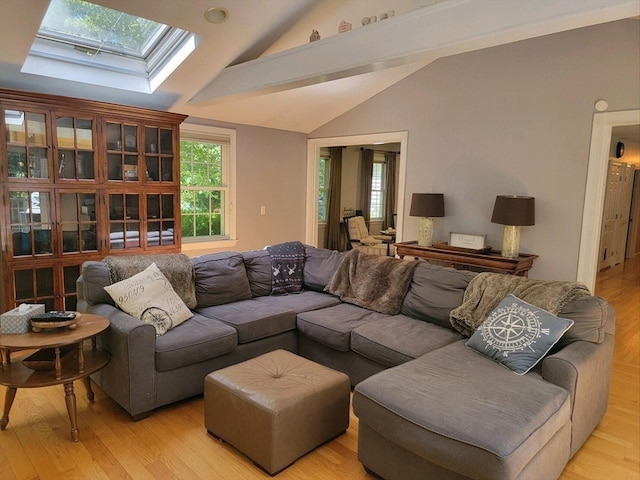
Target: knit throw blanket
point(374, 282)
point(177, 267)
point(487, 289)
point(287, 265)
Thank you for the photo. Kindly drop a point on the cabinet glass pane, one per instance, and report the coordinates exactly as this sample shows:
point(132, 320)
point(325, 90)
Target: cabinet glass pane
point(167, 169)
point(114, 136)
point(84, 134)
point(153, 168)
point(130, 138)
point(151, 140)
point(38, 167)
point(30, 222)
point(65, 133)
point(17, 160)
point(166, 141)
point(114, 167)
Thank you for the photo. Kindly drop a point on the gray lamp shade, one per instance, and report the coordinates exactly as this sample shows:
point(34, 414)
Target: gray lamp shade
point(427, 205)
point(514, 210)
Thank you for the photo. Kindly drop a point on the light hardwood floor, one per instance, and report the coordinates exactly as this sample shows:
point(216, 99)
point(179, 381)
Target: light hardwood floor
point(173, 443)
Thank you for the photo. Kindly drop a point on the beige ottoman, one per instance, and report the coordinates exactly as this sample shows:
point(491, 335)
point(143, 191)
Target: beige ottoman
point(276, 407)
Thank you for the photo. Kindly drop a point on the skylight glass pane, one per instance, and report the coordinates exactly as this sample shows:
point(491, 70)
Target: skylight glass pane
point(99, 28)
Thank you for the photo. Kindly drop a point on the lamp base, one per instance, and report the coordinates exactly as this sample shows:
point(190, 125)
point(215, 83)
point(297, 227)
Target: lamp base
point(510, 241)
point(425, 232)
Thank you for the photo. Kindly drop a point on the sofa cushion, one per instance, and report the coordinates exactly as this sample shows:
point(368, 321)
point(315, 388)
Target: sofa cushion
point(95, 276)
point(301, 302)
point(395, 340)
point(319, 266)
point(435, 291)
point(517, 334)
point(258, 265)
point(253, 320)
point(148, 296)
point(194, 341)
point(220, 278)
point(592, 317)
point(466, 413)
point(332, 326)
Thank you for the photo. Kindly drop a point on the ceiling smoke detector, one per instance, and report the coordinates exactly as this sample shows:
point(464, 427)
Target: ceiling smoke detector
point(216, 15)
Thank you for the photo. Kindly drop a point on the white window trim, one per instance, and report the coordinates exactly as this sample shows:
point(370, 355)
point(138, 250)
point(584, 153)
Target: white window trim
point(228, 179)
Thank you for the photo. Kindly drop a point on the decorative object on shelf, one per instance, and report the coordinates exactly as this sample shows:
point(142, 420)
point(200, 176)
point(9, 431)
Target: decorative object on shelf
point(344, 27)
point(619, 149)
point(315, 36)
point(389, 14)
point(426, 206)
point(513, 211)
point(467, 240)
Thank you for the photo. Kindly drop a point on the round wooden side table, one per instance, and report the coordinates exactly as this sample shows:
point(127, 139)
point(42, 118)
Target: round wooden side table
point(61, 358)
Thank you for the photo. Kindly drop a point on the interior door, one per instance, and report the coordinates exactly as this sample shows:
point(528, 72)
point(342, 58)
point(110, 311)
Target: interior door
point(610, 215)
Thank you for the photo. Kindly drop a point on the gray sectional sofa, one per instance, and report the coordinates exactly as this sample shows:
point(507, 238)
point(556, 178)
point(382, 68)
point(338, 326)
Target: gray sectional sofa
point(428, 405)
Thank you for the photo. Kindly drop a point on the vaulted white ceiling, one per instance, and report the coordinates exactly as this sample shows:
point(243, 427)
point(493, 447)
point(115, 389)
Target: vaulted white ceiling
point(259, 68)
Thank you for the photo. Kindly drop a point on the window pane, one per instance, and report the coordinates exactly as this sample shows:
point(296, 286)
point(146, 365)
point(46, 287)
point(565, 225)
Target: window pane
point(101, 27)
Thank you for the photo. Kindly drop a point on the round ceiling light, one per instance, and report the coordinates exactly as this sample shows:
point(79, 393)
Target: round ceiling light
point(216, 15)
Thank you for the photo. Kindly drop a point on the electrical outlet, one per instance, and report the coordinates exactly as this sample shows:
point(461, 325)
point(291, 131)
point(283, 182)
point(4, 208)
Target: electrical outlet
point(263, 210)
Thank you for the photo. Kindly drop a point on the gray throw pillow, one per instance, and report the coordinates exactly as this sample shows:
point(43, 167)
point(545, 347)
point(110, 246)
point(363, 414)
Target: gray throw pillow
point(319, 266)
point(518, 335)
point(258, 265)
point(220, 278)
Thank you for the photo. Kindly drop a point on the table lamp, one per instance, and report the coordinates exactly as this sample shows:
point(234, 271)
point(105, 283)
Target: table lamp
point(513, 212)
point(426, 206)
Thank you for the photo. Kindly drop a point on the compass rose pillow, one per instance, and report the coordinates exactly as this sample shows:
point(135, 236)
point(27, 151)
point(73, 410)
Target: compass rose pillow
point(149, 296)
point(517, 334)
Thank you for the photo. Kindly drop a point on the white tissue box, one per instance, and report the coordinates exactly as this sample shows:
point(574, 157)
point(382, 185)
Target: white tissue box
point(18, 320)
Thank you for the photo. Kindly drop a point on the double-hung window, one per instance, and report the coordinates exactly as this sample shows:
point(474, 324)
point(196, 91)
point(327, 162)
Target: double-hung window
point(378, 187)
point(207, 191)
point(324, 175)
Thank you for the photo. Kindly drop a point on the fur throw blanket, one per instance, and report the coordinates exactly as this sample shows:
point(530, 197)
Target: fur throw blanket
point(177, 267)
point(374, 282)
point(487, 289)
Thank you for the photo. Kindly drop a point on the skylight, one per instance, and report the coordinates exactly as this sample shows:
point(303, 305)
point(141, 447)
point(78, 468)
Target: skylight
point(84, 42)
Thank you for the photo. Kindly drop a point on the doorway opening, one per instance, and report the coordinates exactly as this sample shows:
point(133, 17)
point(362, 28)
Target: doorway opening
point(314, 147)
point(601, 133)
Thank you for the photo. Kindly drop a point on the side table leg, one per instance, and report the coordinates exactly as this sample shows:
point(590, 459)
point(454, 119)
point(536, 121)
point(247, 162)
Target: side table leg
point(9, 396)
point(87, 383)
point(70, 400)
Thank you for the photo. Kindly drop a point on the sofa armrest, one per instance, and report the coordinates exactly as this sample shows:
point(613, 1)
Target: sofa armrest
point(129, 378)
point(584, 370)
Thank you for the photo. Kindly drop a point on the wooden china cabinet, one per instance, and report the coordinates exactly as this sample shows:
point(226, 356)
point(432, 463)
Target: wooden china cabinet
point(81, 180)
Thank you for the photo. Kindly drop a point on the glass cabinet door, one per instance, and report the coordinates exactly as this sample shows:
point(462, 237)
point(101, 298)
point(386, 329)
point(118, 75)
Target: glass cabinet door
point(27, 147)
point(74, 138)
point(124, 221)
point(158, 154)
point(122, 152)
point(31, 223)
point(35, 285)
point(78, 225)
point(160, 219)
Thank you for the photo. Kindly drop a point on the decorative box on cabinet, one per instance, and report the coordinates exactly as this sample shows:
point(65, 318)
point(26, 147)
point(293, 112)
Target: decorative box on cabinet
point(81, 180)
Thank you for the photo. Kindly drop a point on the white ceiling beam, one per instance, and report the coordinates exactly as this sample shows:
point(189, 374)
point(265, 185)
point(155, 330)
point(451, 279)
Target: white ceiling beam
point(420, 36)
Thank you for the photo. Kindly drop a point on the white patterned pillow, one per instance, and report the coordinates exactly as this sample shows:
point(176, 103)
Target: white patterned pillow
point(148, 296)
point(518, 335)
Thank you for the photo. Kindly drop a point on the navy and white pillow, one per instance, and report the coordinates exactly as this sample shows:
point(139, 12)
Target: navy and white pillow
point(517, 334)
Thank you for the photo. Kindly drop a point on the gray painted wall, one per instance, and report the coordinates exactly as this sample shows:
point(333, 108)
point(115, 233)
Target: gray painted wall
point(513, 119)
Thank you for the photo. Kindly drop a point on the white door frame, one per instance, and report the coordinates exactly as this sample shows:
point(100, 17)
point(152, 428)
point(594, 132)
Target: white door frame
point(313, 164)
point(603, 123)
